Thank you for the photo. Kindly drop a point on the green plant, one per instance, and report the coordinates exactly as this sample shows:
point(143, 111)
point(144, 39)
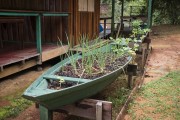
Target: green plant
point(69, 54)
point(121, 46)
point(17, 105)
point(136, 24)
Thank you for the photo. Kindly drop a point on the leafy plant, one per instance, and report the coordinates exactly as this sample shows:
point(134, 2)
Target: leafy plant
point(17, 106)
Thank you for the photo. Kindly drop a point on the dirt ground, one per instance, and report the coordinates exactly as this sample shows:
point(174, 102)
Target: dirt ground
point(165, 57)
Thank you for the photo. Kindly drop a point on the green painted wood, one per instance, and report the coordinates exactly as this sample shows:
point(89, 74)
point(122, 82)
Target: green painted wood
point(149, 13)
point(112, 20)
point(55, 14)
point(38, 35)
point(18, 13)
point(45, 114)
point(55, 77)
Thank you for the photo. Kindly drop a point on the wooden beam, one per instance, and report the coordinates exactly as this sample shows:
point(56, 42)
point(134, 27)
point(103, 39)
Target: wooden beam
point(149, 13)
point(87, 109)
point(99, 110)
point(47, 55)
point(17, 67)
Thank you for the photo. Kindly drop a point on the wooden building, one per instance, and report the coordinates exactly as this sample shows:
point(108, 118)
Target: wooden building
point(31, 29)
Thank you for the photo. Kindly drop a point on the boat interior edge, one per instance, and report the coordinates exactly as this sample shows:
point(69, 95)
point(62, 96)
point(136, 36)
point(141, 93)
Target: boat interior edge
point(55, 77)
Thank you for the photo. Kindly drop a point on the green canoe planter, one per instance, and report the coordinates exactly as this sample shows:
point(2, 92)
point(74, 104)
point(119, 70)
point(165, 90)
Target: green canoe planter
point(75, 89)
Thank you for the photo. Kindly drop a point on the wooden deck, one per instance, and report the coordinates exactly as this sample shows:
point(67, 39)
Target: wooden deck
point(15, 61)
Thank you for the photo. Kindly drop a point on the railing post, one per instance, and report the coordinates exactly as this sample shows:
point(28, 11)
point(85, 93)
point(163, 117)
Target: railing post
point(38, 37)
point(104, 27)
point(112, 17)
point(149, 13)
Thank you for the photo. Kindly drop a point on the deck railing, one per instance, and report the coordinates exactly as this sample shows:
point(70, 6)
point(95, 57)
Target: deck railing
point(38, 15)
point(105, 23)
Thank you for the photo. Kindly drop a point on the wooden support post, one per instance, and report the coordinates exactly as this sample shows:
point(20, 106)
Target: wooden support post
point(2, 68)
point(99, 110)
point(143, 58)
point(130, 80)
point(131, 71)
point(147, 40)
point(104, 27)
point(36, 105)
point(90, 109)
point(38, 38)
point(23, 62)
point(45, 114)
point(112, 20)
point(150, 13)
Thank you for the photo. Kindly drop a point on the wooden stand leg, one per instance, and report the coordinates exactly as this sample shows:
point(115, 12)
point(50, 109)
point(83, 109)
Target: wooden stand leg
point(143, 59)
point(36, 105)
point(45, 114)
point(99, 110)
point(130, 75)
point(39, 68)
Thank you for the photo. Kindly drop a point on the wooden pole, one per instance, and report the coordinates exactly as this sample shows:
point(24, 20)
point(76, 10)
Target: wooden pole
point(45, 114)
point(99, 110)
point(130, 80)
point(112, 20)
point(122, 11)
point(38, 37)
point(149, 13)
point(89, 108)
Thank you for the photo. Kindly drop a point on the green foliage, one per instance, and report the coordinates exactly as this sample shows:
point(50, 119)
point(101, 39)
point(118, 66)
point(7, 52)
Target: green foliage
point(17, 105)
point(138, 32)
point(166, 11)
point(121, 46)
point(127, 4)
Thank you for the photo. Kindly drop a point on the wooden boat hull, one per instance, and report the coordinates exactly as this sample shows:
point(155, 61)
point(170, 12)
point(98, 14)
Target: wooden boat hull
point(52, 99)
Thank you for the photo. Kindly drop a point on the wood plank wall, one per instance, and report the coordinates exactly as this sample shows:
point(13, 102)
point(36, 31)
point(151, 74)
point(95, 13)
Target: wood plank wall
point(85, 23)
point(78, 23)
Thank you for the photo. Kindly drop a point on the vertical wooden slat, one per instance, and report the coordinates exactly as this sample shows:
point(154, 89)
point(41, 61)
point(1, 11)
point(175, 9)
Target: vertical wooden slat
point(82, 5)
point(53, 24)
point(21, 34)
point(77, 23)
point(90, 5)
point(70, 21)
point(1, 39)
point(48, 22)
point(57, 19)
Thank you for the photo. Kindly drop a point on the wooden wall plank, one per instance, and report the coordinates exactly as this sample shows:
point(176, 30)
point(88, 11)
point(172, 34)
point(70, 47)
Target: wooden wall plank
point(76, 24)
point(91, 5)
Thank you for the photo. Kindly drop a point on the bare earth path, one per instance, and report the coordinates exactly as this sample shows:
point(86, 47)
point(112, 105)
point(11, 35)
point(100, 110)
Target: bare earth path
point(165, 57)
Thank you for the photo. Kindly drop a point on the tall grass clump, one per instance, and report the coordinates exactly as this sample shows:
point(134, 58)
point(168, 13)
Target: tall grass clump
point(96, 57)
